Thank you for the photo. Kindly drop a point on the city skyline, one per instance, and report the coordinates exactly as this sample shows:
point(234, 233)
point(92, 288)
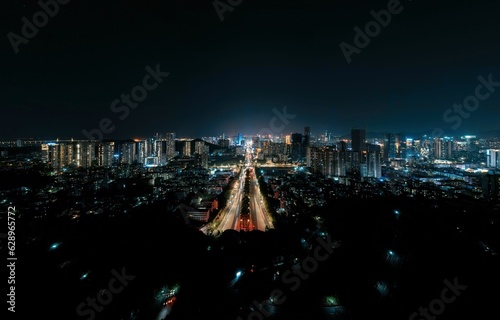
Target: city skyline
point(332, 156)
point(485, 134)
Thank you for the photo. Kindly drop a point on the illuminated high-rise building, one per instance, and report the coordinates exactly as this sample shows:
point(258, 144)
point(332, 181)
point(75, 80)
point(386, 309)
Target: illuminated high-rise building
point(395, 146)
point(165, 149)
point(321, 160)
point(50, 154)
point(437, 148)
point(105, 154)
point(80, 154)
point(45, 153)
point(199, 147)
point(493, 158)
point(170, 145)
point(328, 161)
point(149, 147)
point(186, 148)
point(355, 161)
point(127, 152)
point(87, 154)
point(339, 168)
point(201, 154)
point(142, 149)
point(161, 151)
point(373, 161)
point(448, 149)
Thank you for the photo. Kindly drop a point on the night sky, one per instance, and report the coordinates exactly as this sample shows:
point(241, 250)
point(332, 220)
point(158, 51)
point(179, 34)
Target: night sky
point(227, 77)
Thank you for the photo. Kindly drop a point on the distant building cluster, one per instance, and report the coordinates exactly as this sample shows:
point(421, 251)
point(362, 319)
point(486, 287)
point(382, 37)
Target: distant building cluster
point(155, 151)
point(88, 153)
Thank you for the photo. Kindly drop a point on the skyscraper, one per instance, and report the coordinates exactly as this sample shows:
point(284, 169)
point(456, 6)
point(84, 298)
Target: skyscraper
point(374, 161)
point(105, 154)
point(449, 149)
point(321, 160)
point(358, 138)
point(161, 151)
point(437, 148)
point(297, 146)
point(199, 147)
point(201, 151)
point(394, 146)
point(328, 161)
point(493, 158)
point(389, 147)
point(170, 145)
point(307, 145)
point(128, 151)
point(186, 148)
point(141, 151)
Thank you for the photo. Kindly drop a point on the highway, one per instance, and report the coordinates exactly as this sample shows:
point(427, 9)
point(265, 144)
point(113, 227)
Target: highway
point(258, 215)
point(229, 217)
